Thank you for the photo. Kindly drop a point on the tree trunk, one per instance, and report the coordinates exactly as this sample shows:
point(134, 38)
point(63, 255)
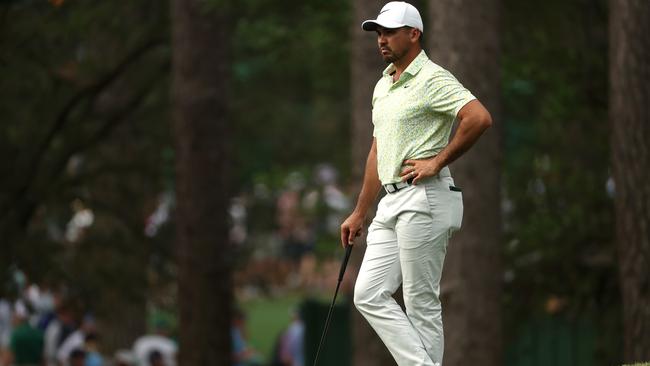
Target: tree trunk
point(465, 40)
point(133, 323)
point(366, 67)
point(200, 76)
point(629, 100)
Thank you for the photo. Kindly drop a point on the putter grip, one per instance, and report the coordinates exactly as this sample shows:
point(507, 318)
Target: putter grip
point(348, 250)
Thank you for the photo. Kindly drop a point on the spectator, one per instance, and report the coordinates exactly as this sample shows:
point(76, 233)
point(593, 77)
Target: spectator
point(77, 357)
point(26, 343)
point(58, 330)
point(243, 354)
point(40, 300)
point(276, 355)
point(5, 326)
point(159, 341)
point(156, 358)
point(93, 357)
point(45, 306)
point(292, 346)
point(76, 340)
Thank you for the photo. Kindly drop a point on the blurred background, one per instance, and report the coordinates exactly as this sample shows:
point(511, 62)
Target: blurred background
point(174, 174)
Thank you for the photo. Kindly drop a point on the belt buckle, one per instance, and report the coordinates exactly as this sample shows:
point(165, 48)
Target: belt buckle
point(391, 188)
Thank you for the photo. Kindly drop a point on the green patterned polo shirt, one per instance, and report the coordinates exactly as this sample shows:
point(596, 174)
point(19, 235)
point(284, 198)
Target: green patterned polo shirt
point(413, 117)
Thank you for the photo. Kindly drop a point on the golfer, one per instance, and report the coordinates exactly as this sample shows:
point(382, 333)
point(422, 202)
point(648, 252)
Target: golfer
point(414, 105)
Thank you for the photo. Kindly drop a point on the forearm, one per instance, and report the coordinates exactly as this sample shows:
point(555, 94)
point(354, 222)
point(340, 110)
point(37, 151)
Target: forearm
point(371, 184)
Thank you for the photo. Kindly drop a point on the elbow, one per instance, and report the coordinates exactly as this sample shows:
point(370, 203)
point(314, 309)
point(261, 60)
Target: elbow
point(486, 120)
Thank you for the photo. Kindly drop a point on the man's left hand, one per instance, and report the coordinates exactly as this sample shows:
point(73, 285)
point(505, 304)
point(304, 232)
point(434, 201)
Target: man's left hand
point(419, 169)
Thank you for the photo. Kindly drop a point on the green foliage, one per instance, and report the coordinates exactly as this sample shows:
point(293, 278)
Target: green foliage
point(290, 104)
point(82, 97)
point(558, 212)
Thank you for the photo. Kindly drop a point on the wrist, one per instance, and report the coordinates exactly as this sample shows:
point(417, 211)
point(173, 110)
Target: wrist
point(437, 163)
point(360, 213)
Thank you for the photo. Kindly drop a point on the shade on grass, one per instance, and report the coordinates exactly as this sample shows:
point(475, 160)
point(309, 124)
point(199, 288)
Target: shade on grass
point(266, 318)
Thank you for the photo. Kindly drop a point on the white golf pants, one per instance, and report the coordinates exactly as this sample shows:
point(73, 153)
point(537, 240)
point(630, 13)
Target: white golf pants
point(407, 242)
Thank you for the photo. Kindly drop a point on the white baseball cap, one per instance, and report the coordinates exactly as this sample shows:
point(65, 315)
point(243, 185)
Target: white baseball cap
point(395, 14)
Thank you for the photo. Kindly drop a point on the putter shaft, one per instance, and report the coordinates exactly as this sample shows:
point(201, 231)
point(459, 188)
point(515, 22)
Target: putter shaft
point(348, 250)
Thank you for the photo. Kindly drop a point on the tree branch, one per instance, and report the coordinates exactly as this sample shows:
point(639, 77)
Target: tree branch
point(63, 117)
point(29, 205)
point(91, 91)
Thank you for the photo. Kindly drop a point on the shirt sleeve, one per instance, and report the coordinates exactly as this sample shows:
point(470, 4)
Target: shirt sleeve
point(446, 95)
point(372, 106)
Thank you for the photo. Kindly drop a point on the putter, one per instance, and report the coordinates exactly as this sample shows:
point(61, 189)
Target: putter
point(348, 250)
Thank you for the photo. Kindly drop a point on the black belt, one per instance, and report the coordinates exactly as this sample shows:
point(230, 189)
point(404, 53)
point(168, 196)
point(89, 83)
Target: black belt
point(394, 187)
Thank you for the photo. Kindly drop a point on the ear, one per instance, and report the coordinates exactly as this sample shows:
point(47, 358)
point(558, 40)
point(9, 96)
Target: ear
point(415, 34)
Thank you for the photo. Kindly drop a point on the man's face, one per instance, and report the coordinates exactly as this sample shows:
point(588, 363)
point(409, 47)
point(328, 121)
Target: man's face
point(394, 43)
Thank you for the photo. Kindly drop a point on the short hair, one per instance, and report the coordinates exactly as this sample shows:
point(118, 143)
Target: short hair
point(77, 353)
point(91, 337)
point(421, 33)
point(154, 355)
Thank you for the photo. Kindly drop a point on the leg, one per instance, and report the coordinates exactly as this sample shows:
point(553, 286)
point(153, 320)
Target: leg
point(422, 238)
point(379, 277)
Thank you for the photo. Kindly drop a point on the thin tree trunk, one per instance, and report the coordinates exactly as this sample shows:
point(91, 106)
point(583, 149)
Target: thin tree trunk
point(200, 76)
point(366, 66)
point(629, 115)
point(121, 335)
point(465, 40)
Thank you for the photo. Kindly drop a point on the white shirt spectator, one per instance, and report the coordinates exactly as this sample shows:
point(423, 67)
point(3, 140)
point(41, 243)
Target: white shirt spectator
point(51, 340)
point(146, 344)
point(5, 323)
point(74, 341)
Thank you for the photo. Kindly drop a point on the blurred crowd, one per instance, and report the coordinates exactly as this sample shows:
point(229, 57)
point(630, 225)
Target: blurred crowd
point(43, 327)
point(46, 326)
point(299, 251)
point(40, 326)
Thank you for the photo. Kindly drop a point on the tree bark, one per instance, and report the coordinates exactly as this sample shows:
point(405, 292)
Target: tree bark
point(465, 40)
point(366, 66)
point(629, 100)
point(200, 76)
point(121, 335)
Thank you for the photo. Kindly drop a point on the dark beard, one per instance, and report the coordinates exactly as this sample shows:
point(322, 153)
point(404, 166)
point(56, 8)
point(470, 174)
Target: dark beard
point(389, 59)
point(392, 57)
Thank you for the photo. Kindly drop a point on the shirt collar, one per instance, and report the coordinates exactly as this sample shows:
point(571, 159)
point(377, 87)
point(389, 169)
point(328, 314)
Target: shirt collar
point(413, 67)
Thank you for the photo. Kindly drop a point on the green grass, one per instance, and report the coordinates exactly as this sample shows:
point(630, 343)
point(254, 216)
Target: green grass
point(266, 318)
